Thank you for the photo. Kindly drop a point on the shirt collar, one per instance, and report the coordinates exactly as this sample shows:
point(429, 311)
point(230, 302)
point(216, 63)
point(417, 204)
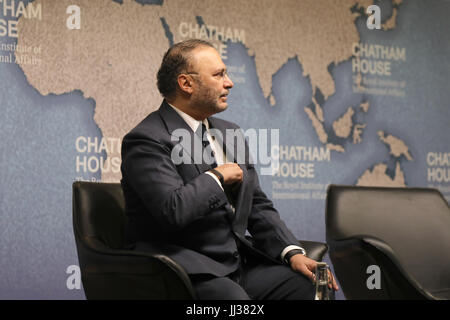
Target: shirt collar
point(191, 122)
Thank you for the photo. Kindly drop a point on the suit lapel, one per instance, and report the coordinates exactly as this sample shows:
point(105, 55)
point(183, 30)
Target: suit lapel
point(186, 138)
point(228, 147)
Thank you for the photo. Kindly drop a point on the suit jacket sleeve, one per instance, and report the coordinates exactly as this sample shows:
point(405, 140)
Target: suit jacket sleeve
point(270, 233)
point(149, 170)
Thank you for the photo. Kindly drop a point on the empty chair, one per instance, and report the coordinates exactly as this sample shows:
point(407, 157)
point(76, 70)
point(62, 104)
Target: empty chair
point(389, 243)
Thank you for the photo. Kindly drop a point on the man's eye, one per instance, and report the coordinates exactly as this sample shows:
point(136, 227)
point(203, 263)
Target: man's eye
point(221, 74)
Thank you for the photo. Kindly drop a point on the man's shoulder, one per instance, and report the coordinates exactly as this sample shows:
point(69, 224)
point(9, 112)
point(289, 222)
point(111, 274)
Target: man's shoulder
point(150, 126)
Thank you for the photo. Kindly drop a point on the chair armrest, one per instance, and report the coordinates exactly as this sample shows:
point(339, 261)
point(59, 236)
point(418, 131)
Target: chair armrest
point(314, 250)
point(388, 251)
point(105, 260)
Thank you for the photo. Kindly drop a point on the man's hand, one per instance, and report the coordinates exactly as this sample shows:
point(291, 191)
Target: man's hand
point(231, 173)
point(307, 266)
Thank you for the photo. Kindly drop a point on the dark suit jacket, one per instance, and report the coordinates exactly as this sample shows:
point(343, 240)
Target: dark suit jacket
point(182, 212)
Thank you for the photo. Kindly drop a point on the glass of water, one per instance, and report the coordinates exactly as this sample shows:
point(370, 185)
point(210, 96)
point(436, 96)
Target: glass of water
point(322, 290)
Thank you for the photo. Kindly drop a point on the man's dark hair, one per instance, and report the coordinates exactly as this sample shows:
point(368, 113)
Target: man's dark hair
point(175, 61)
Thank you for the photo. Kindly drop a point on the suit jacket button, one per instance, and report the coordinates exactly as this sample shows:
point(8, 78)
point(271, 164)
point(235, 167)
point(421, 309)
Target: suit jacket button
point(236, 255)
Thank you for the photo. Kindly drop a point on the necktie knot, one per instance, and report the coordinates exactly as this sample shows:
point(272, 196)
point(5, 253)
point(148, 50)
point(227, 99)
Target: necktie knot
point(201, 132)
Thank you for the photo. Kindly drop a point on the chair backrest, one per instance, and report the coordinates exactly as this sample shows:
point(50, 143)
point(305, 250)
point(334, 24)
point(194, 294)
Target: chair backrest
point(99, 212)
point(413, 224)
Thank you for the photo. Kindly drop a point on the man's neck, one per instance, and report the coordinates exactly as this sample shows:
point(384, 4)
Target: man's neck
point(186, 108)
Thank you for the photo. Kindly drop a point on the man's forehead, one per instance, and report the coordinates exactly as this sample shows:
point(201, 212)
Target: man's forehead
point(204, 58)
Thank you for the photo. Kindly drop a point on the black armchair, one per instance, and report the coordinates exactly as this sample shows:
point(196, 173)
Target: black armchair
point(109, 269)
point(405, 232)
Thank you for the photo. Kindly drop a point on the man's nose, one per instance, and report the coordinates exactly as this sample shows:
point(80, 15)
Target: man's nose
point(227, 83)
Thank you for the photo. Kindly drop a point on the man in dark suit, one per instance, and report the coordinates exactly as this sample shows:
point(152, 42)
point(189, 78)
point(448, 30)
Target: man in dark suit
point(198, 212)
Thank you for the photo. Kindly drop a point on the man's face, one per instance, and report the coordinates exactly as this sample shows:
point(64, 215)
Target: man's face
point(211, 82)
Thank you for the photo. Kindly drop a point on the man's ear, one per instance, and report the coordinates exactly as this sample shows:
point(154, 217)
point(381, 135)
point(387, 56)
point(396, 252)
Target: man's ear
point(185, 83)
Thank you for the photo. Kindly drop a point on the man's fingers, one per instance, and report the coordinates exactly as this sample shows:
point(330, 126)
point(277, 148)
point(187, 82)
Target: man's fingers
point(231, 173)
point(308, 268)
point(332, 284)
point(307, 273)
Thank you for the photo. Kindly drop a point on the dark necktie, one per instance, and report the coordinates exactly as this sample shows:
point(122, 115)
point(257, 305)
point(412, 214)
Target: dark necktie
point(209, 158)
point(207, 152)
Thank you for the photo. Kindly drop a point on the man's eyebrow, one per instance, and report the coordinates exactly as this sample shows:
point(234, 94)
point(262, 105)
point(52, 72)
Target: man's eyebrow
point(220, 70)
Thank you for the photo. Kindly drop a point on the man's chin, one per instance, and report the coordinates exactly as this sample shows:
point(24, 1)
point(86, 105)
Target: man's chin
point(221, 107)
